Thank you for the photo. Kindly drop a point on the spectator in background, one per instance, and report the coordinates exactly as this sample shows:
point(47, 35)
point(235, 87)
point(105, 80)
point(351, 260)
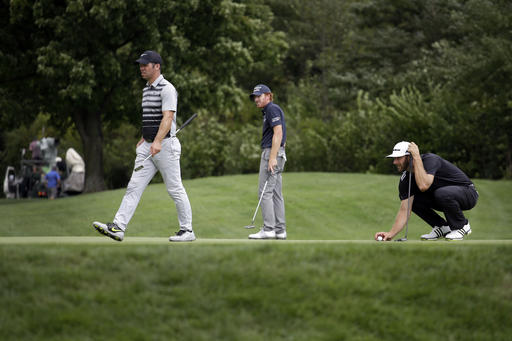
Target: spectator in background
point(52, 181)
point(35, 148)
point(61, 167)
point(35, 182)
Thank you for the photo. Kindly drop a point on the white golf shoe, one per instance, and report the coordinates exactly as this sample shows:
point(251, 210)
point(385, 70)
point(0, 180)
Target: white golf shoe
point(183, 236)
point(262, 234)
point(109, 229)
point(460, 233)
point(436, 233)
point(281, 235)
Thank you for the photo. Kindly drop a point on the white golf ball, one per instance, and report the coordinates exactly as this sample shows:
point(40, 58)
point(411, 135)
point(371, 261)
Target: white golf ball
point(379, 238)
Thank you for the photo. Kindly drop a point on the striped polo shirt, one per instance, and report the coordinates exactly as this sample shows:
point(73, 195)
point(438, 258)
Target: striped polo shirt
point(157, 97)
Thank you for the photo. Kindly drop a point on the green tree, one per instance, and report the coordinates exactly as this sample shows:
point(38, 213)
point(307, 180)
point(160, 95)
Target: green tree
point(18, 106)
point(475, 70)
point(448, 61)
point(82, 52)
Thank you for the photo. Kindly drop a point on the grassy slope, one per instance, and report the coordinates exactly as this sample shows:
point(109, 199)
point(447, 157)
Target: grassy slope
point(256, 290)
point(319, 206)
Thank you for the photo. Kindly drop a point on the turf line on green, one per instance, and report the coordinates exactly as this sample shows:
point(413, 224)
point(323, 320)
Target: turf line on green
point(163, 240)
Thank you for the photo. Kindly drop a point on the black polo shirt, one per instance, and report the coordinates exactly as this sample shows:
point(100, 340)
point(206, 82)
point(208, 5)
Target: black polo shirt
point(444, 172)
point(273, 116)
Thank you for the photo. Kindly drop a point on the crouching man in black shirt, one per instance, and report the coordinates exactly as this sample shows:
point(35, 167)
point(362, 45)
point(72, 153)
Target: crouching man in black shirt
point(436, 184)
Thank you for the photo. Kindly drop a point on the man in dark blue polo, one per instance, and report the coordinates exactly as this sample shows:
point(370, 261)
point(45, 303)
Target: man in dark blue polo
point(273, 158)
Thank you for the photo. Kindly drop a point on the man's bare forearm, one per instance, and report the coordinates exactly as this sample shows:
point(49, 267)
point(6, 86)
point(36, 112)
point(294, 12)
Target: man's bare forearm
point(276, 144)
point(165, 125)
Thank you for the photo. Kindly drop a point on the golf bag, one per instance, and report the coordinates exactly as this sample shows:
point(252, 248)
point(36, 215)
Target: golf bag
point(74, 183)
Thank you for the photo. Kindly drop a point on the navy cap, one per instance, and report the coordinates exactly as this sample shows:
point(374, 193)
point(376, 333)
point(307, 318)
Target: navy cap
point(149, 57)
point(259, 90)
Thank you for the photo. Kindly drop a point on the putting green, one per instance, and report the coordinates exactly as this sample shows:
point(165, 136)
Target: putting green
point(164, 240)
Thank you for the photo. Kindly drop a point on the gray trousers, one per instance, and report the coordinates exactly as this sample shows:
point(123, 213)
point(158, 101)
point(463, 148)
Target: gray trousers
point(272, 202)
point(167, 161)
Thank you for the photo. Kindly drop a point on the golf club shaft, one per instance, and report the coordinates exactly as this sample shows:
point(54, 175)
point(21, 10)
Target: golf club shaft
point(408, 199)
point(187, 122)
point(259, 201)
point(261, 196)
point(139, 167)
point(404, 239)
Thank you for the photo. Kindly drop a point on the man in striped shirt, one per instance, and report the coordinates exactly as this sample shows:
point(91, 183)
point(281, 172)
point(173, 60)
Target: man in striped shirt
point(159, 105)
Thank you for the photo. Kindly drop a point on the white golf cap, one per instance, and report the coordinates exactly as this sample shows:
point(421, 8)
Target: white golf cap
point(400, 149)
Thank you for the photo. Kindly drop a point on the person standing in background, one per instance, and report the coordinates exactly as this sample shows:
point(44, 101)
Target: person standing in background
point(52, 182)
point(273, 158)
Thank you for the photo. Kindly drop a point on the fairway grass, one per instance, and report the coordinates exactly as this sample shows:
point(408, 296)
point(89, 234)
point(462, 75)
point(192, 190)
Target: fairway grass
point(61, 280)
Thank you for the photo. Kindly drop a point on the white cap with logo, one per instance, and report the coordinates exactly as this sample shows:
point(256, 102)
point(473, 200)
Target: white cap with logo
point(400, 149)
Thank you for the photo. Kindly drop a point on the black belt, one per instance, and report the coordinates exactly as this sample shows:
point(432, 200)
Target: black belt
point(151, 140)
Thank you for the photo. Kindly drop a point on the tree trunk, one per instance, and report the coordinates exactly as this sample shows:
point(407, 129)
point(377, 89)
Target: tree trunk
point(89, 128)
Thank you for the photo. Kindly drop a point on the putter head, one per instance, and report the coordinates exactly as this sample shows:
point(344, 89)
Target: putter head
point(401, 240)
point(249, 226)
point(138, 168)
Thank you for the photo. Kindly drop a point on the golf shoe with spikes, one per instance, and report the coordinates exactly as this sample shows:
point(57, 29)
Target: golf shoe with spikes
point(183, 236)
point(109, 229)
point(281, 235)
point(436, 233)
point(460, 233)
point(262, 234)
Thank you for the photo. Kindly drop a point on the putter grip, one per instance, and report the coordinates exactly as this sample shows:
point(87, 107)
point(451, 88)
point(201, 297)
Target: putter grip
point(187, 122)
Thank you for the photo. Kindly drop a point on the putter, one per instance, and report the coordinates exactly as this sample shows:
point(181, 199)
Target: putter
point(251, 226)
point(187, 122)
point(259, 202)
point(404, 239)
point(138, 168)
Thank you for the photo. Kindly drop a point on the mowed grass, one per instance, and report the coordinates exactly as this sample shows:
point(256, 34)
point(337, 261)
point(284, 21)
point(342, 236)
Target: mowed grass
point(93, 288)
point(256, 291)
point(318, 206)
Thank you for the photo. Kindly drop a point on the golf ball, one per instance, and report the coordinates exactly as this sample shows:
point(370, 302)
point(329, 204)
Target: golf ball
point(379, 238)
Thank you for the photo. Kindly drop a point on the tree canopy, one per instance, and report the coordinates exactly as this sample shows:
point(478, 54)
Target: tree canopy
point(352, 76)
point(81, 57)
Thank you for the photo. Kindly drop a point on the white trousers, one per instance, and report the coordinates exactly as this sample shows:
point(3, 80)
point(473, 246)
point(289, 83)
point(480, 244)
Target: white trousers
point(167, 162)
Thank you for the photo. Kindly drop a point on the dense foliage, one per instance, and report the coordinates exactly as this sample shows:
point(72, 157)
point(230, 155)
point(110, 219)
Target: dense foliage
point(353, 77)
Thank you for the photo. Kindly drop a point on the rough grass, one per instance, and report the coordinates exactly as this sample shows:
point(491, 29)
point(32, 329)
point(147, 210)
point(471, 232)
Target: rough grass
point(256, 291)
